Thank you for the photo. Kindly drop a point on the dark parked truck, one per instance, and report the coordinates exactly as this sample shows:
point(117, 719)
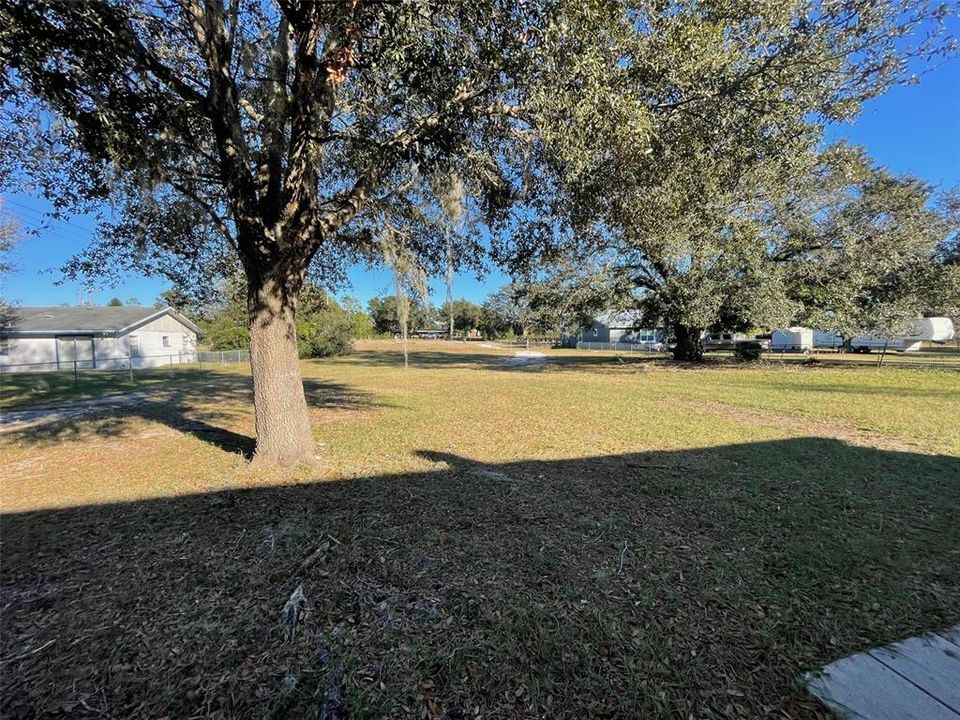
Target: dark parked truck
point(729, 341)
point(722, 341)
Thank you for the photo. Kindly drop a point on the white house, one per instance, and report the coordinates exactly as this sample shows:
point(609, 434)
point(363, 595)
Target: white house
point(37, 339)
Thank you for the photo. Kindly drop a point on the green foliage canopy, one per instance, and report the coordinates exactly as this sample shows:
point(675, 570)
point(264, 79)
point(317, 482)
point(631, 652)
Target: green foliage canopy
point(466, 315)
point(730, 100)
point(386, 320)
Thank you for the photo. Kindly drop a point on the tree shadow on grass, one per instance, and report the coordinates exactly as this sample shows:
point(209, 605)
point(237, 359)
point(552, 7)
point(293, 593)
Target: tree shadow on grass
point(423, 359)
point(555, 360)
point(202, 403)
point(433, 359)
point(654, 584)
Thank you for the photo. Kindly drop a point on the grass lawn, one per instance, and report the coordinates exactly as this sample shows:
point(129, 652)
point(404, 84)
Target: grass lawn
point(588, 537)
point(25, 390)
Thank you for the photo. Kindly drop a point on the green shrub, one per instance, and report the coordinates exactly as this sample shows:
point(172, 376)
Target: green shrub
point(748, 350)
point(324, 328)
point(325, 334)
point(225, 332)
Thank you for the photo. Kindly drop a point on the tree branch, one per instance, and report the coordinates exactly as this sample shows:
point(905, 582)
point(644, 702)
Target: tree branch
point(218, 221)
point(224, 99)
point(276, 113)
point(348, 205)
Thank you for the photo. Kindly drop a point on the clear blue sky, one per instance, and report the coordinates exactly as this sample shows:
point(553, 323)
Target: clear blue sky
point(912, 129)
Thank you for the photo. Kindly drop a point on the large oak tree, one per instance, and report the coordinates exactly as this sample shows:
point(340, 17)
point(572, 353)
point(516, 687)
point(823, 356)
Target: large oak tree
point(272, 133)
point(732, 100)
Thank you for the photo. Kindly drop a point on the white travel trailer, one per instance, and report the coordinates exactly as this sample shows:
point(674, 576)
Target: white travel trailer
point(866, 343)
point(796, 339)
point(935, 329)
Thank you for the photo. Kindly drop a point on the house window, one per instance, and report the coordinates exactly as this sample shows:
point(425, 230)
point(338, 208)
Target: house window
point(134, 346)
point(648, 336)
point(4, 346)
point(165, 340)
point(595, 332)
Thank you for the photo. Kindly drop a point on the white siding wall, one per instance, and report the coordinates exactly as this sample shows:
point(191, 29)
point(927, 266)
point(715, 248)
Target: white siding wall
point(40, 354)
point(181, 347)
point(111, 352)
point(30, 355)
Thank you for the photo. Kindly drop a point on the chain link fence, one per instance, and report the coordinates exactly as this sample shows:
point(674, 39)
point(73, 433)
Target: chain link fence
point(223, 357)
point(945, 356)
point(19, 381)
point(647, 347)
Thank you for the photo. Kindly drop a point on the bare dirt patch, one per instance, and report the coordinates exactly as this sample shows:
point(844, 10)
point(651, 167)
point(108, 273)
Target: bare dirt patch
point(12, 420)
point(526, 358)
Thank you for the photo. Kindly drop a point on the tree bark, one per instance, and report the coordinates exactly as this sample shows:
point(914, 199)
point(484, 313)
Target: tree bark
point(280, 407)
point(689, 347)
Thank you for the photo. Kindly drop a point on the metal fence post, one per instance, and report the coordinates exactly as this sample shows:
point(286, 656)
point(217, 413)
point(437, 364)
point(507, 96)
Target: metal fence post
point(130, 365)
point(171, 363)
point(76, 375)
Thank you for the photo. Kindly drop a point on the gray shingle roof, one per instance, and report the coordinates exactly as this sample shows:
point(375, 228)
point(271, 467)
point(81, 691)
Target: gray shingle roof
point(81, 319)
point(629, 319)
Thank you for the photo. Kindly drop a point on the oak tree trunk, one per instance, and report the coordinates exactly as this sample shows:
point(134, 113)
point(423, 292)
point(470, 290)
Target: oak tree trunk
point(689, 347)
point(280, 408)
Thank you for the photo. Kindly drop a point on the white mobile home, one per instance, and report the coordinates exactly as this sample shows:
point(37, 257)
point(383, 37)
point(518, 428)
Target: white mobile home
point(38, 339)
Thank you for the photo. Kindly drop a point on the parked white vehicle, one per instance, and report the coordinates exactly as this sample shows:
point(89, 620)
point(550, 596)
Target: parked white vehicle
point(935, 329)
point(827, 339)
point(799, 339)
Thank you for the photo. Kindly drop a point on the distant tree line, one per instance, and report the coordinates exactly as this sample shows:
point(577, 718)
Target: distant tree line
point(511, 311)
point(327, 327)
